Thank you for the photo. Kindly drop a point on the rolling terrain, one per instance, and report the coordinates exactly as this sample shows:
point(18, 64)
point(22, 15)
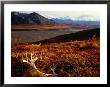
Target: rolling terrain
point(81, 35)
point(54, 47)
point(62, 56)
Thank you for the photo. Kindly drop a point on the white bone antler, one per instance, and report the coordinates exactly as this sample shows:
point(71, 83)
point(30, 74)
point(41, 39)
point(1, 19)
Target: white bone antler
point(32, 63)
point(53, 67)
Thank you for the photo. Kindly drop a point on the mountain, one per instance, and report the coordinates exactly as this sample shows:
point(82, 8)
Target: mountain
point(18, 18)
point(80, 21)
point(62, 20)
point(87, 23)
point(87, 20)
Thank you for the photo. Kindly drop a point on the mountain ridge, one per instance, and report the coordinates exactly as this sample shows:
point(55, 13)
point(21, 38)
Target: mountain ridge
point(18, 18)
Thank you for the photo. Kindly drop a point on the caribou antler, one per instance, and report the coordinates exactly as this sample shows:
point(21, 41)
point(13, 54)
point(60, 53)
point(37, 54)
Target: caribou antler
point(53, 67)
point(32, 63)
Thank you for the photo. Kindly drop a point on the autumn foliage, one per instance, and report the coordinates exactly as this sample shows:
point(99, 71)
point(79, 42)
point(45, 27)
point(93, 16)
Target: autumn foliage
point(63, 59)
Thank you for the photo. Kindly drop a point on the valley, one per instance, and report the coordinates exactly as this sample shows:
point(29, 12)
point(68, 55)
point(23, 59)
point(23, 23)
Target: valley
point(43, 46)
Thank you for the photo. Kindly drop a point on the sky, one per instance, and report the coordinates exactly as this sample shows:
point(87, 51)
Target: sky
point(71, 14)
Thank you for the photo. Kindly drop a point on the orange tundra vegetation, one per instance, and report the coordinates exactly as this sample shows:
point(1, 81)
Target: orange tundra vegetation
point(46, 27)
point(63, 59)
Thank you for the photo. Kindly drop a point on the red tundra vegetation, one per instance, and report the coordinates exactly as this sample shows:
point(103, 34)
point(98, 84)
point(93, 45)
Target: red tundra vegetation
point(63, 59)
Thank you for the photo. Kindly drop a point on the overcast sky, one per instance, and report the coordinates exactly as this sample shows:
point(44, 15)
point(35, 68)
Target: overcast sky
point(72, 14)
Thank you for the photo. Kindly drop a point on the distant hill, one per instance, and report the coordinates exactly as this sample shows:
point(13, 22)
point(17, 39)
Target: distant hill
point(82, 35)
point(62, 20)
point(18, 18)
point(87, 23)
point(78, 22)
